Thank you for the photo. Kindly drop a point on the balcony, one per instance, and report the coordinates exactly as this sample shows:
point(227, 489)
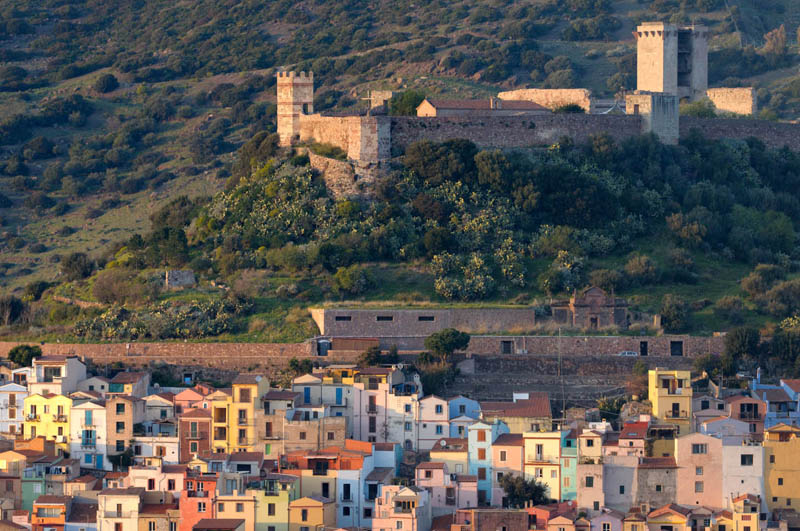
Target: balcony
point(402, 510)
point(676, 415)
point(119, 514)
point(32, 418)
point(88, 445)
point(320, 471)
point(450, 500)
point(371, 409)
point(59, 418)
point(750, 415)
point(243, 422)
point(197, 493)
point(33, 474)
point(347, 497)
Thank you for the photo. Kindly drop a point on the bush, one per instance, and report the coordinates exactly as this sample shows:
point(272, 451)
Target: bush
point(352, 280)
point(641, 269)
point(703, 108)
point(730, 308)
point(606, 279)
point(121, 286)
point(328, 150)
point(674, 313)
point(11, 309)
point(76, 266)
point(406, 103)
point(106, 83)
point(569, 108)
point(23, 354)
point(783, 300)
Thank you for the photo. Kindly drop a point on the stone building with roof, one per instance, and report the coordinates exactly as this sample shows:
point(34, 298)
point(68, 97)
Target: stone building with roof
point(591, 309)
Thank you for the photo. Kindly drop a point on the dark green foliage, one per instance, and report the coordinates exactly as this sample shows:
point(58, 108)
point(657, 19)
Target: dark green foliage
point(436, 163)
point(328, 150)
point(76, 266)
point(674, 313)
point(23, 354)
point(742, 345)
point(352, 280)
point(569, 108)
point(11, 309)
point(34, 290)
point(300, 367)
point(444, 342)
point(406, 103)
point(106, 83)
point(519, 492)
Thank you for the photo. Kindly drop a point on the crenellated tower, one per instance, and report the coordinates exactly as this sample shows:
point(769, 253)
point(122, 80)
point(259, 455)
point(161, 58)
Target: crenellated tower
point(295, 98)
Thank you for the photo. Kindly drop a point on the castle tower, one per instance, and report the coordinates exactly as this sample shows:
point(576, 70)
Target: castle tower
point(672, 59)
point(295, 98)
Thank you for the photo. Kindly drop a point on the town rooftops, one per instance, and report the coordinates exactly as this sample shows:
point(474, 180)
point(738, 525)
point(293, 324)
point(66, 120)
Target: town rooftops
point(536, 406)
point(380, 474)
point(510, 439)
point(450, 444)
point(129, 491)
point(49, 499)
point(772, 395)
point(310, 500)
point(430, 465)
point(54, 358)
point(221, 524)
point(670, 508)
point(174, 469)
point(465, 478)
point(384, 446)
point(749, 497)
point(793, 384)
point(84, 513)
point(634, 430)
point(246, 456)
point(657, 462)
point(196, 413)
point(247, 379)
point(8, 524)
point(127, 377)
point(280, 394)
point(157, 508)
point(87, 478)
point(486, 104)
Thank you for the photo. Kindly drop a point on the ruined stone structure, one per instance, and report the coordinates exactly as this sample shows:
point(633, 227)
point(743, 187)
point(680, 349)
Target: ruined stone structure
point(742, 100)
point(672, 59)
point(552, 98)
point(659, 112)
point(179, 278)
point(591, 309)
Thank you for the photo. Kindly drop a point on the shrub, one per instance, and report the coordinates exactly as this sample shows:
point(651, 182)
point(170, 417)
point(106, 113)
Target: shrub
point(569, 108)
point(703, 108)
point(606, 279)
point(328, 150)
point(121, 286)
point(76, 266)
point(730, 308)
point(351, 280)
point(674, 313)
point(106, 83)
point(783, 300)
point(23, 354)
point(641, 269)
point(406, 103)
point(11, 309)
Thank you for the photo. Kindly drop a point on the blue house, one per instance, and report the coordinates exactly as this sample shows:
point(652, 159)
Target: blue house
point(781, 400)
point(480, 437)
point(569, 465)
point(463, 411)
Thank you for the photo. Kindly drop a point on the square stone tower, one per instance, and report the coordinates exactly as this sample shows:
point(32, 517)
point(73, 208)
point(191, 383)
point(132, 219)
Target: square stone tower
point(672, 59)
point(295, 98)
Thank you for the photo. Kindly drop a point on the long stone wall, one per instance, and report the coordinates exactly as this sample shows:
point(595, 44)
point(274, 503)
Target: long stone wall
point(512, 131)
point(740, 100)
point(773, 134)
point(552, 98)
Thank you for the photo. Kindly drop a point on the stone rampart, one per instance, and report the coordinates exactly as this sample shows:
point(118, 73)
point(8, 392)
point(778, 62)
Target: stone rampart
point(552, 98)
point(773, 134)
point(742, 100)
point(339, 176)
point(363, 138)
point(512, 131)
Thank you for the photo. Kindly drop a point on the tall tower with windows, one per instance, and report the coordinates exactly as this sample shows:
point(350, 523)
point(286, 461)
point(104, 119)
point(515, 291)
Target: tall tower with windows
point(295, 98)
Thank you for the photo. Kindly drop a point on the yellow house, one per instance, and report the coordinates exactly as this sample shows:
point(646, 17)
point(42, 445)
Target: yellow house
point(781, 466)
point(237, 504)
point(312, 512)
point(543, 460)
point(453, 452)
point(273, 494)
point(723, 521)
point(670, 517)
point(13, 462)
point(671, 395)
point(48, 416)
point(246, 396)
point(634, 522)
point(219, 404)
point(746, 513)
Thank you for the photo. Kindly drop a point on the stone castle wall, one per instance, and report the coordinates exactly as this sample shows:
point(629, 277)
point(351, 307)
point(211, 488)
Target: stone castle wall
point(740, 100)
point(773, 134)
point(552, 98)
point(339, 176)
point(512, 131)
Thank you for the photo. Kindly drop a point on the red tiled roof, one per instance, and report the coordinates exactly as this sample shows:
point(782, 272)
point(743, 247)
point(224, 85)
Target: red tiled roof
point(88, 478)
point(127, 377)
point(634, 430)
point(793, 384)
point(749, 497)
point(451, 444)
point(157, 508)
point(50, 358)
point(509, 439)
point(772, 395)
point(196, 413)
point(537, 405)
point(246, 456)
point(247, 379)
point(49, 499)
point(672, 507)
point(83, 513)
point(130, 491)
point(484, 105)
point(430, 465)
point(280, 394)
point(657, 462)
point(213, 524)
point(384, 446)
point(461, 478)
point(174, 469)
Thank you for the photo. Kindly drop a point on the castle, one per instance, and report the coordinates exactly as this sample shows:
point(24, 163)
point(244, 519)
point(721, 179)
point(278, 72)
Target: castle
point(672, 64)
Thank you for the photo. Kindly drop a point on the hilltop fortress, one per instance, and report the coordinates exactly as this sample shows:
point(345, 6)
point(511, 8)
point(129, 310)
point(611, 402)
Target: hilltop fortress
point(672, 64)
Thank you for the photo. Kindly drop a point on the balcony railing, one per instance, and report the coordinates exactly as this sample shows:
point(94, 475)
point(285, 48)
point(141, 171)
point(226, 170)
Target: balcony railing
point(750, 415)
point(32, 418)
point(450, 500)
point(88, 444)
point(372, 409)
point(347, 497)
point(320, 471)
point(33, 474)
point(243, 422)
point(197, 493)
point(59, 418)
point(119, 514)
point(402, 510)
point(676, 415)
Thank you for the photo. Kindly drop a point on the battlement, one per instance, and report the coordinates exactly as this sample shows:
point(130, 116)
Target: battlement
point(295, 75)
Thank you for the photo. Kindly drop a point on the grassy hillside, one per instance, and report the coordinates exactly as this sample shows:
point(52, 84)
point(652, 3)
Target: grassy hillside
point(110, 110)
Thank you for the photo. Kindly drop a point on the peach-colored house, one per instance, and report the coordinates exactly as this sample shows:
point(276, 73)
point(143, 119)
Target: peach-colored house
point(747, 409)
point(448, 492)
point(152, 474)
point(400, 507)
point(187, 397)
point(699, 460)
point(631, 440)
point(508, 452)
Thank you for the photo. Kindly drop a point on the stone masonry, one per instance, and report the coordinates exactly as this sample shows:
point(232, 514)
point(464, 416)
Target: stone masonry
point(742, 100)
point(552, 98)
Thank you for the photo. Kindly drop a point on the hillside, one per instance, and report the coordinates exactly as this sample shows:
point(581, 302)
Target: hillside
point(113, 110)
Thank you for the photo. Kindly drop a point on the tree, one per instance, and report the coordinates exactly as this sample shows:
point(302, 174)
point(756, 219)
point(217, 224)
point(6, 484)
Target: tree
point(609, 407)
point(370, 357)
point(444, 342)
point(11, 309)
point(520, 491)
point(775, 44)
point(106, 83)
point(300, 367)
point(23, 354)
point(569, 108)
point(741, 344)
point(76, 266)
point(406, 103)
point(674, 313)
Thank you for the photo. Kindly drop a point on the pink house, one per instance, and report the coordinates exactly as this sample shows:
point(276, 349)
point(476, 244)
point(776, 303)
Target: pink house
point(507, 458)
point(187, 397)
point(699, 460)
point(631, 440)
point(152, 475)
point(402, 508)
point(448, 492)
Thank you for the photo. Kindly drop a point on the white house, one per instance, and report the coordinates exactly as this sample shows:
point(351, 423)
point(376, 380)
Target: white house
point(742, 472)
point(59, 375)
point(88, 434)
point(12, 400)
point(95, 384)
point(433, 421)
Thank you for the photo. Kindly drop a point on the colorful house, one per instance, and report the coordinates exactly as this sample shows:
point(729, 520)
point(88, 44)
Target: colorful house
point(670, 392)
point(197, 498)
point(50, 513)
point(670, 517)
point(118, 509)
point(434, 420)
point(448, 492)
point(130, 383)
point(747, 409)
point(48, 416)
point(782, 466)
point(481, 435)
point(12, 401)
point(508, 456)
point(463, 411)
point(742, 471)
point(402, 508)
point(89, 435)
point(59, 375)
point(526, 412)
point(569, 465)
point(194, 433)
point(312, 512)
point(454, 452)
point(543, 460)
point(273, 493)
point(699, 458)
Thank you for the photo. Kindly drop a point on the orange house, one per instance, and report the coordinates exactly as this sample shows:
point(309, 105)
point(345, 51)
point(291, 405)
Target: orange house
point(50, 512)
point(197, 498)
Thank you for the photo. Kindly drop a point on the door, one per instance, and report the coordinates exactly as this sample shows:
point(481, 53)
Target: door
point(99, 462)
point(326, 491)
point(307, 395)
point(339, 396)
point(643, 348)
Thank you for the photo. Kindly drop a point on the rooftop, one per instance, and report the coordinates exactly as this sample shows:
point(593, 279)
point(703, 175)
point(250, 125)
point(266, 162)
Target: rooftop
point(510, 439)
point(247, 379)
point(537, 405)
point(128, 377)
point(212, 524)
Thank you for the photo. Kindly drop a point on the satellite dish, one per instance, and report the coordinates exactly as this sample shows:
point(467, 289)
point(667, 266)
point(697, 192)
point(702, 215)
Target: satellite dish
point(442, 443)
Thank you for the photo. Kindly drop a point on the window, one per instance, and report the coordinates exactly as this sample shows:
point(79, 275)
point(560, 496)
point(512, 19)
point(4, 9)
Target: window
point(151, 484)
point(481, 473)
point(747, 459)
point(221, 507)
point(271, 528)
point(271, 509)
point(589, 482)
point(439, 430)
point(553, 474)
point(87, 459)
point(459, 469)
point(622, 489)
point(117, 526)
point(368, 512)
point(201, 507)
point(482, 435)
point(462, 409)
point(698, 486)
point(780, 481)
point(173, 526)
point(704, 404)
point(384, 318)
point(701, 449)
point(566, 481)
point(428, 474)
point(439, 409)
point(345, 511)
point(304, 515)
point(425, 318)
point(499, 476)
point(331, 435)
point(342, 318)
point(772, 459)
point(302, 436)
point(239, 507)
point(596, 507)
point(120, 446)
point(407, 408)
point(120, 409)
point(120, 427)
point(408, 426)
point(606, 526)
point(193, 447)
point(399, 524)
point(170, 484)
point(589, 443)
point(658, 488)
point(502, 455)
point(698, 471)
point(482, 454)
